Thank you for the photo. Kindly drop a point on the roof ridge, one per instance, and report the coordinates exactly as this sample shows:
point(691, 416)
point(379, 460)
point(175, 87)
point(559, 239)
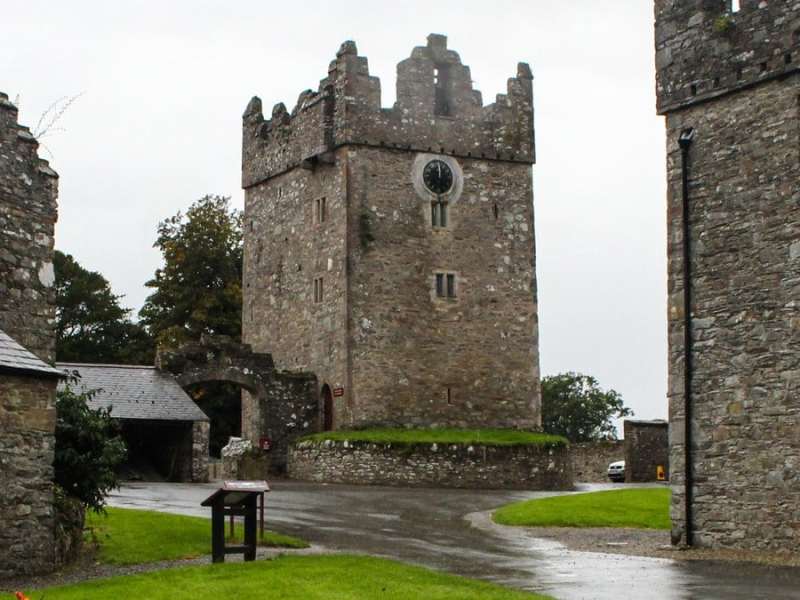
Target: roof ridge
point(104, 365)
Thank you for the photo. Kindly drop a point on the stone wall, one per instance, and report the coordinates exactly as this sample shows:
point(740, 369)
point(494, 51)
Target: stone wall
point(28, 212)
point(432, 465)
point(420, 360)
point(380, 337)
point(201, 431)
point(646, 449)
point(743, 169)
point(590, 460)
point(704, 51)
point(27, 423)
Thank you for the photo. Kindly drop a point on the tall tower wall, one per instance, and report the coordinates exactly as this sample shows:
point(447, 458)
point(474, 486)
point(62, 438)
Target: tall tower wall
point(732, 78)
point(28, 189)
point(28, 213)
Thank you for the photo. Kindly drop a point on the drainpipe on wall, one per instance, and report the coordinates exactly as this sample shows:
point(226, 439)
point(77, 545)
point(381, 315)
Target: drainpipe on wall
point(685, 143)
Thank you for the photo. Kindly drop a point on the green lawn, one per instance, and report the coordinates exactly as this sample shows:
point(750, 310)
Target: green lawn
point(486, 437)
point(646, 508)
point(333, 577)
point(129, 537)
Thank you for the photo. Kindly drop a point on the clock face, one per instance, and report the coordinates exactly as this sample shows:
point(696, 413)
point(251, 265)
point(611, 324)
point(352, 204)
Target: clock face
point(438, 177)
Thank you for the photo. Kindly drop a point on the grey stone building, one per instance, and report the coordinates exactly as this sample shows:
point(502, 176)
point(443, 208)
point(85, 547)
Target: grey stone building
point(28, 191)
point(27, 423)
point(728, 82)
point(162, 426)
point(390, 251)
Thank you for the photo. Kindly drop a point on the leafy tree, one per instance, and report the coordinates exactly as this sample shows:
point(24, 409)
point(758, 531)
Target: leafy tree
point(88, 448)
point(574, 405)
point(199, 288)
point(91, 325)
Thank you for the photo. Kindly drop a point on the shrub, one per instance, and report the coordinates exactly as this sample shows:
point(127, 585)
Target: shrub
point(88, 448)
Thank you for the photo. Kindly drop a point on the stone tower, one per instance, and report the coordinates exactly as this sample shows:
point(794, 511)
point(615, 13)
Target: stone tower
point(728, 81)
point(28, 190)
point(28, 213)
point(391, 250)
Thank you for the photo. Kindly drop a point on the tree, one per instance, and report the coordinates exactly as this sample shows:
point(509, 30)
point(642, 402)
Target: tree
point(88, 448)
point(91, 325)
point(199, 288)
point(574, 405)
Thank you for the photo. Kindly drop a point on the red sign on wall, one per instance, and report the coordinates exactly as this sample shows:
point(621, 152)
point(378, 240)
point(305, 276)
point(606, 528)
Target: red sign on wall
point(265, 443)
point(337, 392)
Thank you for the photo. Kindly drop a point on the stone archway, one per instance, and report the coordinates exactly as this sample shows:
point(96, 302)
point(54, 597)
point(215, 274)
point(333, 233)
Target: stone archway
point(278, 406)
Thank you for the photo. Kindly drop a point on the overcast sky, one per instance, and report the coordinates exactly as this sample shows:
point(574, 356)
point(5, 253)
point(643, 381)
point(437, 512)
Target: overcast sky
point(159, 125)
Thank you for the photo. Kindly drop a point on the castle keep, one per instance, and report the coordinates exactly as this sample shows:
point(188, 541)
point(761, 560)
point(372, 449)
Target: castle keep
point(391, 250)
point(728, 82)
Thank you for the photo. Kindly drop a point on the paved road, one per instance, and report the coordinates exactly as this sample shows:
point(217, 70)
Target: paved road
point(429, 527)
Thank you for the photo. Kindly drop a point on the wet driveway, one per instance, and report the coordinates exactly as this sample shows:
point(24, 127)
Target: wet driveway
point(431, 528)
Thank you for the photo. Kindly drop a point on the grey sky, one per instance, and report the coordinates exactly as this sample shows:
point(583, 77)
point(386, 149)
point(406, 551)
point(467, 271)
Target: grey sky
point(160, 123)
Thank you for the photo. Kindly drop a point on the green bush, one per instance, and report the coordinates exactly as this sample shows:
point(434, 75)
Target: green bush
point(88, 448)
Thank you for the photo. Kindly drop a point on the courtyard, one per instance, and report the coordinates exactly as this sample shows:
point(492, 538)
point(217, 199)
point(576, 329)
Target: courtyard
point(452, 531)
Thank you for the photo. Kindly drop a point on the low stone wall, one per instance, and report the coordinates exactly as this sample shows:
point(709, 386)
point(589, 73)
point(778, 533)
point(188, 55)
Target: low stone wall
point(590, 460)
point(454, 466)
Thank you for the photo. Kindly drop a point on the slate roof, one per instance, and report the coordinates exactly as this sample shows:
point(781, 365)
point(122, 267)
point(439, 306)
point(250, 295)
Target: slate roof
point(16, 358)
point(134, 392)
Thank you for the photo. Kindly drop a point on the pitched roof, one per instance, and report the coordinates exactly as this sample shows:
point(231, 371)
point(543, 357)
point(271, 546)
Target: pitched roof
point(16, 358)
point(134, 392)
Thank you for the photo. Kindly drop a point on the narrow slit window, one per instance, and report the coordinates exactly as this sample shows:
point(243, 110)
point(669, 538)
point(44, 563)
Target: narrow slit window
point(318, 290)
point(440, 285)
point(451, 285)
point(439, 213)
point(441, 85)
point(320, 210)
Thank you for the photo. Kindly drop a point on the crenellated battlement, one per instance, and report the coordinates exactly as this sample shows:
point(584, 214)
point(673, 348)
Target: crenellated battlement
point(27, 143)
point(437, 110)
point(705, 48)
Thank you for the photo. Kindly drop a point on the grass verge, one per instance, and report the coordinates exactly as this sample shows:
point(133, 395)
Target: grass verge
point(128, 537)
point(486, 437)
point(646, 508)
point(333, 577)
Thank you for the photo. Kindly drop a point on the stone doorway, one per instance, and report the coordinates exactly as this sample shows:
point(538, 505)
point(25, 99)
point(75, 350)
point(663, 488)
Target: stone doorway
point(327, 408)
